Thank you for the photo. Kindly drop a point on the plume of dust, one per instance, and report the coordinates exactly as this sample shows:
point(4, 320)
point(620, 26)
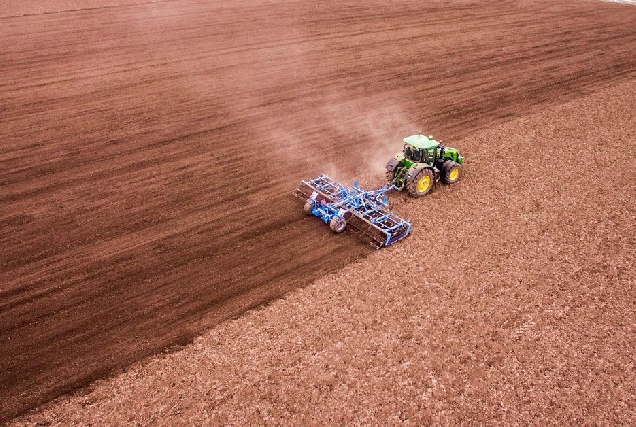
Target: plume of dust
point(378, 131)
point(367, 134)
point(367, 130)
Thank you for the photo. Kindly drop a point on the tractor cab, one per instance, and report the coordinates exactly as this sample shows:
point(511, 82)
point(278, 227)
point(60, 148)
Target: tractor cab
point(420, 149)
point(423, 162)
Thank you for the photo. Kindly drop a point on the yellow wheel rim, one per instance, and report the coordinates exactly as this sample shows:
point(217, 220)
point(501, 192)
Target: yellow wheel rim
point(454, 174)
point(423, 183)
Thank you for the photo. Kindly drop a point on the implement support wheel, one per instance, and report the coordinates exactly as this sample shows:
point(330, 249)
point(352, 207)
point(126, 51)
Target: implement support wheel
point(309, 206)
point(337, 224)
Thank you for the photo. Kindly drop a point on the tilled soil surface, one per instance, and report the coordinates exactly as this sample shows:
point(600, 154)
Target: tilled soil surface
point(513, 302)
point(149, 150)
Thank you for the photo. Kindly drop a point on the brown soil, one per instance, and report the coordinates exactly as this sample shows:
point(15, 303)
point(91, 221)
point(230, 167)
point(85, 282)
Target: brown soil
point(445, 327)
point(149, 152)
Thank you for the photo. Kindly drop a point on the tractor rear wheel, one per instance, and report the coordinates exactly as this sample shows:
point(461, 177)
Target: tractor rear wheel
point(337, 224)
point(390, 169)
point(451, 172)
point(420, 182)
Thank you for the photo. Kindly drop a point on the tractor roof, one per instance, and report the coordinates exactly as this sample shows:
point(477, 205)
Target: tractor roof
point(422, 142)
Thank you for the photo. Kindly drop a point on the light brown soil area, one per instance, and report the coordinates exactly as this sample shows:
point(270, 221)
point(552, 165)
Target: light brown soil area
point(149, 152)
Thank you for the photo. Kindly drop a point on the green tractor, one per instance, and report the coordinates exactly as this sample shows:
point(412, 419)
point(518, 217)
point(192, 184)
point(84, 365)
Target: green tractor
point(423, 162)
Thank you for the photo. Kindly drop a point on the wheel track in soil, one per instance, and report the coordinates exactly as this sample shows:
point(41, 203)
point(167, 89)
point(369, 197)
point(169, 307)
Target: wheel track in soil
point(134, 215)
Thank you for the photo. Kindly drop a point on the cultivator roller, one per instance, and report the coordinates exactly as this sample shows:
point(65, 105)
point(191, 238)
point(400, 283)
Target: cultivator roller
point(366, 211)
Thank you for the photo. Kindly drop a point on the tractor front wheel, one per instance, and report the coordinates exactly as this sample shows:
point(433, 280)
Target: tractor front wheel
point(420, 182)
point(451, 172)
point(337, 224)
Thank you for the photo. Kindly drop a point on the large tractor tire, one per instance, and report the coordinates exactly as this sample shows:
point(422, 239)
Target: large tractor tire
point(420, 181)
point(337, 224)
point(451, 172)
point(390, 169)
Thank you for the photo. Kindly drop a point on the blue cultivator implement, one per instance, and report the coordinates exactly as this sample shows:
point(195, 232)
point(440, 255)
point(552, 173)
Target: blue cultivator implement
point(366, 211)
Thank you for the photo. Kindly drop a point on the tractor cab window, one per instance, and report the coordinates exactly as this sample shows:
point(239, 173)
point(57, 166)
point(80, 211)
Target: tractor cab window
point(426, 156)
point(408, 153)
point(413, 154)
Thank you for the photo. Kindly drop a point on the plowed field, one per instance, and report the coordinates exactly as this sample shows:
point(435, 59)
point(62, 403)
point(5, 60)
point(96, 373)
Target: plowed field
point(149, 150)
